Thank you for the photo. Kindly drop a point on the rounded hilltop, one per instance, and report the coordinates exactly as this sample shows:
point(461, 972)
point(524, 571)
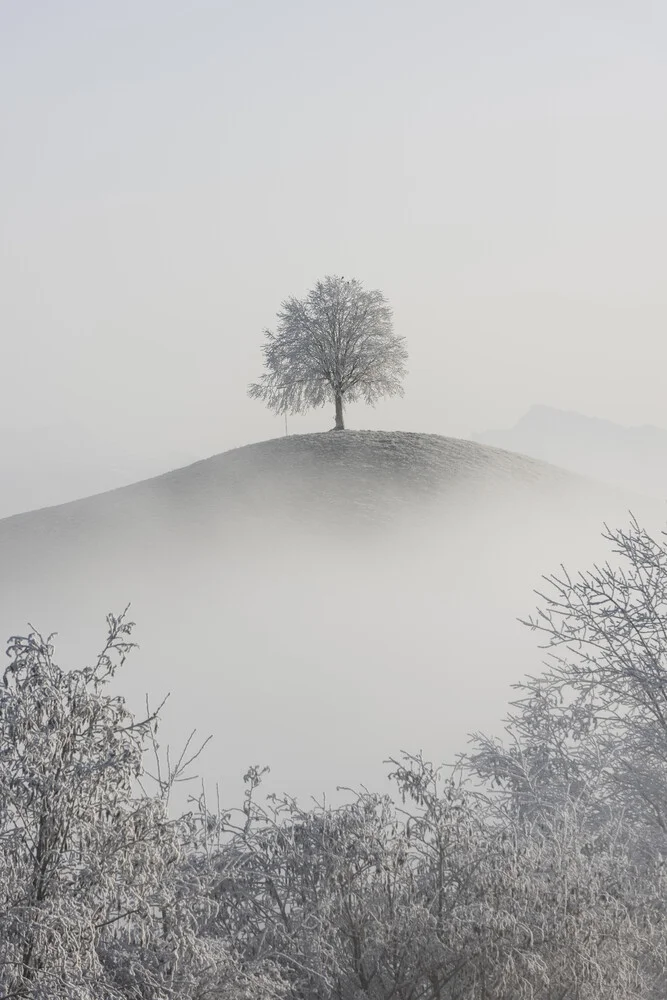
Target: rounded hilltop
point(257, 496)
point(355, 465)
point(297, 474)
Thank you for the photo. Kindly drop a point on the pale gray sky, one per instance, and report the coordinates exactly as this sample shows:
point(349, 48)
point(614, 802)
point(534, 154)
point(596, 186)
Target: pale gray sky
point(171, 170)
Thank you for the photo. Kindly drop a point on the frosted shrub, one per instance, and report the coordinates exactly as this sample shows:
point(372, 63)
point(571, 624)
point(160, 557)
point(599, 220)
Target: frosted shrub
point(102, 895)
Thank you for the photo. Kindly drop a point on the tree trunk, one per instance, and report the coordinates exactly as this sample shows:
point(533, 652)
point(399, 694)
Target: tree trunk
point(340, 426)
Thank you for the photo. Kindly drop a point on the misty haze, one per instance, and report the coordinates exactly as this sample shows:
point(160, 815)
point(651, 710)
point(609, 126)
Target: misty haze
point(334, 469)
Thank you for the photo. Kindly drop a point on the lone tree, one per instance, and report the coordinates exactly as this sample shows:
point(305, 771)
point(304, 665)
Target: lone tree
point(336, 345)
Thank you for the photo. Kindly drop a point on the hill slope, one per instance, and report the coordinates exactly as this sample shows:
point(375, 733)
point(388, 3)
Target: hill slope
point(359, 480)
point(314, 602)
point(292, 474)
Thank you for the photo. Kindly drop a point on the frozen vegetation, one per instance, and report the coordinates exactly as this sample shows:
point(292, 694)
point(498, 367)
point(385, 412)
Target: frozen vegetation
point(319, 603)
point(534, 868)
point(337, 346)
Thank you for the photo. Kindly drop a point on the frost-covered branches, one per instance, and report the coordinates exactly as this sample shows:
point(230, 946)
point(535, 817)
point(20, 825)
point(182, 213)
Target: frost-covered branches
point(602, 700)
point(548, 883)
point(337, 345)
point(589, 735)
point(444, 898)
point(102, 895)
point(611, 624)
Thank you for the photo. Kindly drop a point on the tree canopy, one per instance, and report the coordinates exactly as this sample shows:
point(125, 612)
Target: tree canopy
point(337, 345)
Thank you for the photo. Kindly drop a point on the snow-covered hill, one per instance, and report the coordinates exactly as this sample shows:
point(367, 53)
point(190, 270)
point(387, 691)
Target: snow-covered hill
point(314, 602)
point(290, 476)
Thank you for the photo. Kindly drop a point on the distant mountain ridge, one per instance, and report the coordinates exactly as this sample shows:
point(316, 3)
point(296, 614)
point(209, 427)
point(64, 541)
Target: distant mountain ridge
point(631, 458)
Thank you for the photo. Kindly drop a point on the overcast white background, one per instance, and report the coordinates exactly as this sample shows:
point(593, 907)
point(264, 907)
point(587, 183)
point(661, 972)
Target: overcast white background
point(170, 171)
